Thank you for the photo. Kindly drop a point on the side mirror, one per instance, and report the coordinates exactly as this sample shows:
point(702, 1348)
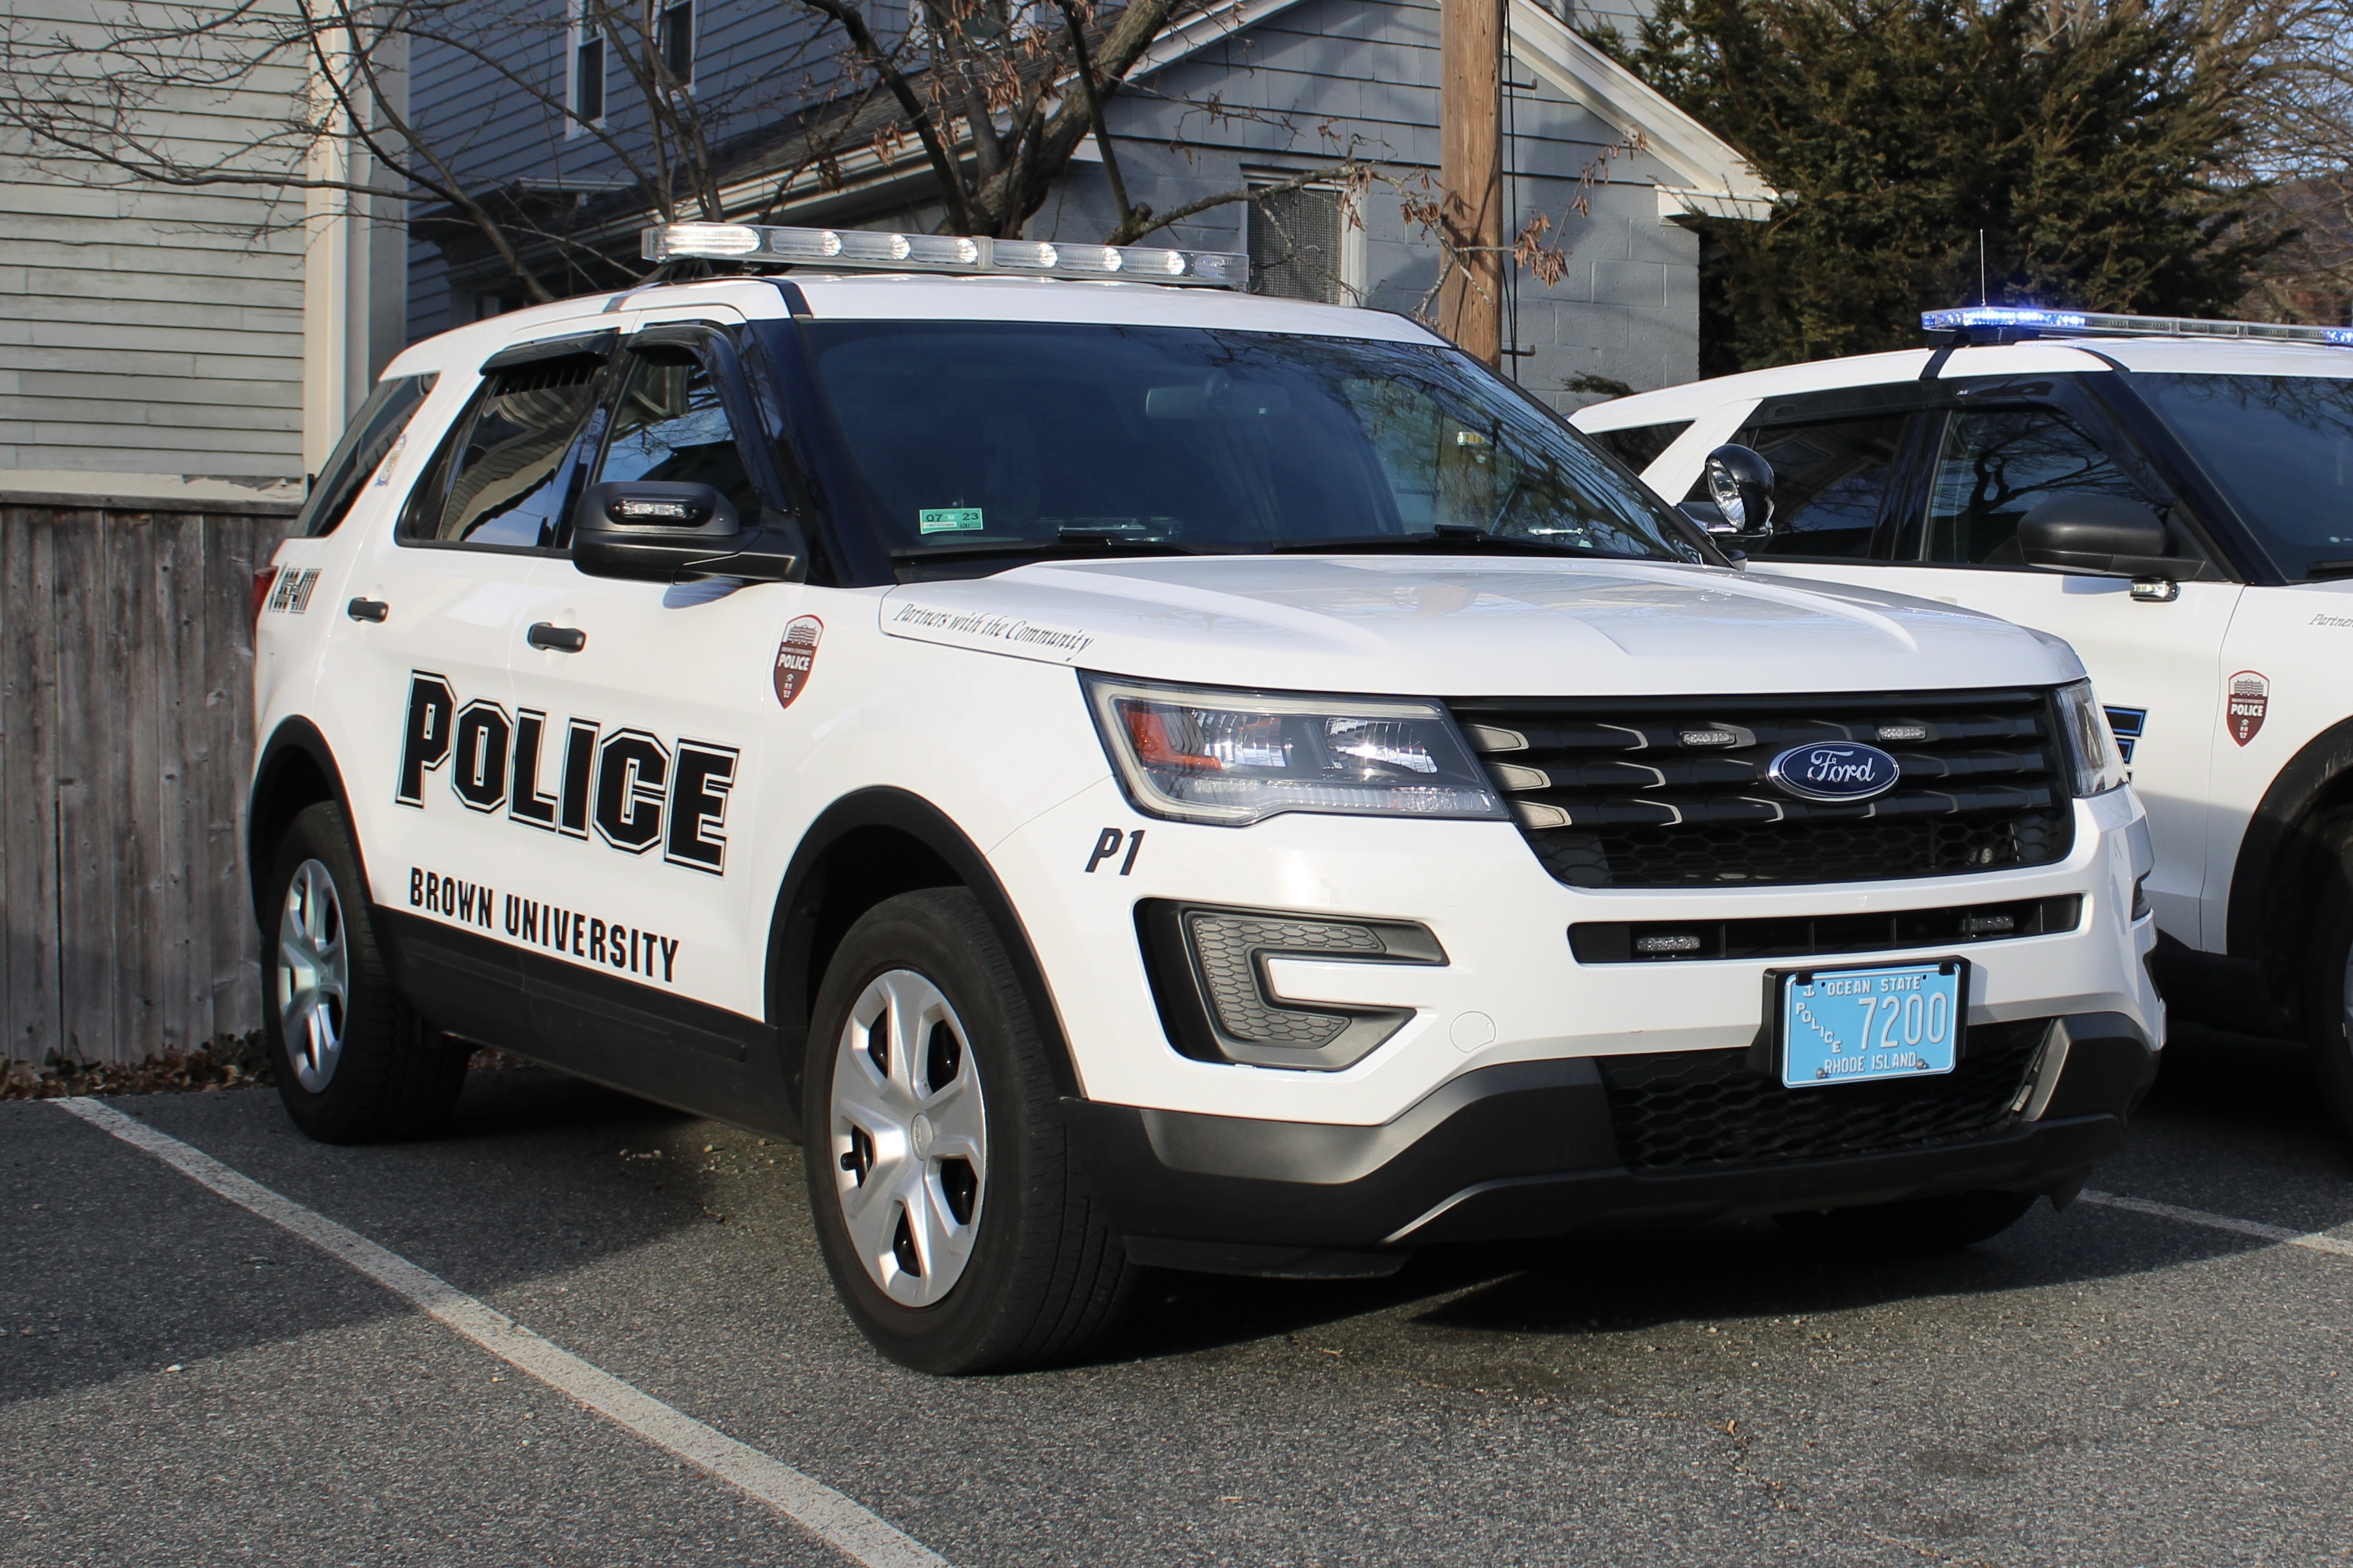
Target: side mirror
point(2104, 536)
point(661, 531)
point(1740, 482)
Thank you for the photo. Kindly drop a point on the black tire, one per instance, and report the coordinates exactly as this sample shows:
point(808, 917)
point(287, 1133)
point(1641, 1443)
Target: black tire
point(1041, 1277)
point(394, 1075)
point(1915, 1228)
point(2328, 981)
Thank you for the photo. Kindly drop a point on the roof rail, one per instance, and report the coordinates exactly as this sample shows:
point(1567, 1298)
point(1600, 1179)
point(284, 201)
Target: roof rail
point(2009, 323)
point(867, 250)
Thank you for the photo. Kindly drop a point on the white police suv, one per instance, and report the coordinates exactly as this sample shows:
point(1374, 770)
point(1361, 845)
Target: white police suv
point(1138, 774)
point(2174, 498)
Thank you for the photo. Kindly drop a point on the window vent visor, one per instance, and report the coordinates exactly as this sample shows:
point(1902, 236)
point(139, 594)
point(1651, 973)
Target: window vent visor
point(1208, 972)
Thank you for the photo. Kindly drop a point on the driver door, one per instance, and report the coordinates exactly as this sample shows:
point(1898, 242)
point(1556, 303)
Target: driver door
point(654, 709)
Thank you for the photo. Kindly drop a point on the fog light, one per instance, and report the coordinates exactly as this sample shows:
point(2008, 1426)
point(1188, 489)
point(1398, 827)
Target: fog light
point(1208, 972)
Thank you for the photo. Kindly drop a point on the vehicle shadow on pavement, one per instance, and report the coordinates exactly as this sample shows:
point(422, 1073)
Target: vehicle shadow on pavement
point(2228, 1104)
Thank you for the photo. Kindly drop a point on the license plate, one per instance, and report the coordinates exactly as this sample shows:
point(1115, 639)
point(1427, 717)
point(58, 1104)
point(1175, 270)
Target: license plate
point(1858, 1025)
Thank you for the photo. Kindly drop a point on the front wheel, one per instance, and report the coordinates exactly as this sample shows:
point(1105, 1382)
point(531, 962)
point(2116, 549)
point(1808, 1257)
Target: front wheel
point(2328, 982)
point(951, 1218)
point(354, 1062)
point(1915, 1228)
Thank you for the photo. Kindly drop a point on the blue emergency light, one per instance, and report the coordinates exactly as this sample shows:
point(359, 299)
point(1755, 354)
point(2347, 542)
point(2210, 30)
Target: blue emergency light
point(2008, 323)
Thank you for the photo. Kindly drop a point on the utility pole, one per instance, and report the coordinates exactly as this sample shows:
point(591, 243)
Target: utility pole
point(1471, 172)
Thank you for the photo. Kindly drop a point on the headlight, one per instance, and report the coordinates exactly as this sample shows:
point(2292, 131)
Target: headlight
point(1234, 757)
point(2091, 756)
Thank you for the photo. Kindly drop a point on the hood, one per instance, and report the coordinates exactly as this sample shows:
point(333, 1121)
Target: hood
point(1450, 626)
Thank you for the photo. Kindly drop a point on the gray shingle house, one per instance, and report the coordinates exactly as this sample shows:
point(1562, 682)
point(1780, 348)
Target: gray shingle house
point(1234, 95)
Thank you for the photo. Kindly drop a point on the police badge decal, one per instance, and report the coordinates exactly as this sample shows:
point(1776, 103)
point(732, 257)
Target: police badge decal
point(796, 656)
point(2245, 700)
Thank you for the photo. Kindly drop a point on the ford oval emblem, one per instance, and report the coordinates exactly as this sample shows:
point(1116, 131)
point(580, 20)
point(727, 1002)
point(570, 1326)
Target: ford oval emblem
point(1836, 771)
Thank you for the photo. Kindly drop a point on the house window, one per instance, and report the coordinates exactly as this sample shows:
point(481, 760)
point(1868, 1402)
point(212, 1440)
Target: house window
point(588, 84)
point(674, 37)
point(1301, 245)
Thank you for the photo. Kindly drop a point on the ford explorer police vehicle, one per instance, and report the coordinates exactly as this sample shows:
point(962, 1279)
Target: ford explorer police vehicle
point(2174, 498)
point(1135, 775)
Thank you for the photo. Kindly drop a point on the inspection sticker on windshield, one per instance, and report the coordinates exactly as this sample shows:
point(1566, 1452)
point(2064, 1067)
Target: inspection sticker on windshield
point(1855, 1026)
point(948, 519)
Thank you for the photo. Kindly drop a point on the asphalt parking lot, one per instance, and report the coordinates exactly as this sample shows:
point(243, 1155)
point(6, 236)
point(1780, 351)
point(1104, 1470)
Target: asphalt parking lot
point(182, 1381)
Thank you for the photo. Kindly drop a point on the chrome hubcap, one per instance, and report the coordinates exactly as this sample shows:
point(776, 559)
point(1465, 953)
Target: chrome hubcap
point(313, 975)
point(909, 1138)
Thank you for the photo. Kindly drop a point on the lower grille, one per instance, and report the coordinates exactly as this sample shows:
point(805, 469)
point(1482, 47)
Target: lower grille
point(1673, 792)
point(1810, 936)
point(1681, 1110)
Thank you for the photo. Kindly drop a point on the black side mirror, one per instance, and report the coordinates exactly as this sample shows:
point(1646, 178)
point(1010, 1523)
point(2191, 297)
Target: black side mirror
point(2104, 536)
point(1740, 482)
point(662, 531)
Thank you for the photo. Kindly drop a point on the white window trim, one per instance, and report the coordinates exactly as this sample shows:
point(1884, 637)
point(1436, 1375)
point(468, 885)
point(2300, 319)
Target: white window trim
point(575, 34)
point(693, 38)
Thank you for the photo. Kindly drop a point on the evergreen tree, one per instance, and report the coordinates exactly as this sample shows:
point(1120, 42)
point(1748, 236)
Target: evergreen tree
point(2094, 154)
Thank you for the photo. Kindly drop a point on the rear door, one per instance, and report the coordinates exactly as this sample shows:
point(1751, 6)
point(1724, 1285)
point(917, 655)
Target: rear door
point(426, 702)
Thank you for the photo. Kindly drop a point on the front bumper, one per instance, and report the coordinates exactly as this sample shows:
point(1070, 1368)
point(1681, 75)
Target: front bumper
point(1531, 1149)
point(1513, 988)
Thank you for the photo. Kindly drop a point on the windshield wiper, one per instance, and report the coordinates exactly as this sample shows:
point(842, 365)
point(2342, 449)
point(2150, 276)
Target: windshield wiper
point(2320, 569)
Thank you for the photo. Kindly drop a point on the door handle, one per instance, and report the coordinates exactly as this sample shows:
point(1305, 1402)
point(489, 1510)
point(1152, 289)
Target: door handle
point(556, 638)
point(367, 609)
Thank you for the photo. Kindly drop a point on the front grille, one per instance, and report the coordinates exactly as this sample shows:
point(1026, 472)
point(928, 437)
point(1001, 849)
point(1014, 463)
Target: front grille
point(1638, 792)
point(1684, 1109)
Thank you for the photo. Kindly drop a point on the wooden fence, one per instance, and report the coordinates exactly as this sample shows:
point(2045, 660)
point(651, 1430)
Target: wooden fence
point(126, 734)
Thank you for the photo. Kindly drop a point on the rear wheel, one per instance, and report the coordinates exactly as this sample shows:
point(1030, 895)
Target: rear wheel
point(955, 1226)
point(2328, 982)
point(354, 1062)
point(1917, 1226)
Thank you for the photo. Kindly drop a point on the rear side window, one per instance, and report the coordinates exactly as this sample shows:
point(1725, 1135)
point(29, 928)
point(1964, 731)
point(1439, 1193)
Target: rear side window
point(366, 440)
point(505, 475)
point(1830, 481)
point(1638, 445)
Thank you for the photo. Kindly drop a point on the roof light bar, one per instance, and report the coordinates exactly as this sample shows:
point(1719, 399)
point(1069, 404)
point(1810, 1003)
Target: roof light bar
point(866, 250)
point(1973, 319)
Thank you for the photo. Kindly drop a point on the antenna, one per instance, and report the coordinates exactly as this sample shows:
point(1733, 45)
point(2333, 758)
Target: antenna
point(1981, 267)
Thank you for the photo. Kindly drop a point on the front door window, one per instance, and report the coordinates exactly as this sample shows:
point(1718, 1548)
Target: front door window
point(671, 425)
point(1993, 468)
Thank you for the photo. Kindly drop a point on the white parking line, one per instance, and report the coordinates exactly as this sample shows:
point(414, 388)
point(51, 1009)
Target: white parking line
point(2316, 1241)
point(840, 1521)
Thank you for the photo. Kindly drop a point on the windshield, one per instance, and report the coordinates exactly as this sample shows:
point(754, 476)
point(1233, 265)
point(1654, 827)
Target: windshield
point(2282, 446)
point(1023, 438)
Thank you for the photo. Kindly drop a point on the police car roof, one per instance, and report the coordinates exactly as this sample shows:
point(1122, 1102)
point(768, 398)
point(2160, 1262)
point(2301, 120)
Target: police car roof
point(916, 297)
point(2157, 356)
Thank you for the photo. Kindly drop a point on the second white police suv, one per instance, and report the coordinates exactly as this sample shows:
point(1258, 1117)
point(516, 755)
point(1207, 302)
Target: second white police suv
point(1135, 774)
point(2174, 498)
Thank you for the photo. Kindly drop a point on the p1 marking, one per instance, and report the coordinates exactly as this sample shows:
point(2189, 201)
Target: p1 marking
point(1107, 845)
